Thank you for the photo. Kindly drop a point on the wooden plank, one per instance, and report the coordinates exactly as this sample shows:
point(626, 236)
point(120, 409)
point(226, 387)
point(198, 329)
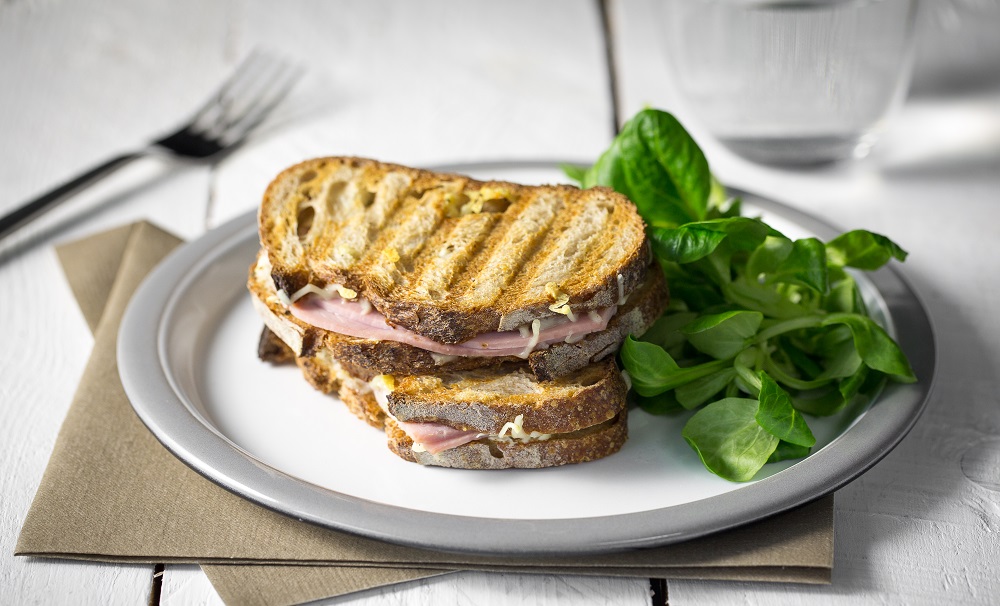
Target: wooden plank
point(188, 585)
point(915, 528)
point(78, 87)
point(442, 82)
point(422, 84)
point(426, 83)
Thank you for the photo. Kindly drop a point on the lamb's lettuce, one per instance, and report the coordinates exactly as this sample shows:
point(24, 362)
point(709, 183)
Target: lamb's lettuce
point(762, 330)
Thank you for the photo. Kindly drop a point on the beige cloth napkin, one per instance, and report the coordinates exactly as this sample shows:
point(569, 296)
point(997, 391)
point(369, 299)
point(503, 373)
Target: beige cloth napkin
point(111, 492)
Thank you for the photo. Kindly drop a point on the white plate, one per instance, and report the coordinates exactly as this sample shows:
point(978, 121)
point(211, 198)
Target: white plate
point(187, 357)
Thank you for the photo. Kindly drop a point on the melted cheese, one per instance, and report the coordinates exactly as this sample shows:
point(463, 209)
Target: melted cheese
point(516, 430)
point(326, 293)
point(440, 359)
point(382, 386)
point(533, 341)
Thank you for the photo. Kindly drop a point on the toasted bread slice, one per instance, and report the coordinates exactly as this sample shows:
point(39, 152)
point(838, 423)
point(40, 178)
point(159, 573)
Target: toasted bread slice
point(486, 399)
point(446, 256)
point(366, 358)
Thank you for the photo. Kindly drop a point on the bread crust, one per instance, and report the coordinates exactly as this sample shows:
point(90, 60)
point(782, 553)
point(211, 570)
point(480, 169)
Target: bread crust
point(426, 250)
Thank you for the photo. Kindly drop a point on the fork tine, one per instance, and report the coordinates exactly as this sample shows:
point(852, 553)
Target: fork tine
point(261, 106)
point(246, 69)
point(242, 97)
point(241, 101)
point(207, 121)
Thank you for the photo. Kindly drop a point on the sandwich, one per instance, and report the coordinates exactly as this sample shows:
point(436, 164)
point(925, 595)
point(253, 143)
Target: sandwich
point(475, 322)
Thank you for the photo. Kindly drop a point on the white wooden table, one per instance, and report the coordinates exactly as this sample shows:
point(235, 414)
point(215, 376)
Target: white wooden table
point(432, 82)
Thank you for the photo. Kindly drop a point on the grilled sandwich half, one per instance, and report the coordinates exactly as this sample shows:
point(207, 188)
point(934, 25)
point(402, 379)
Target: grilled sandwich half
point(374, 272)
point(496, 417)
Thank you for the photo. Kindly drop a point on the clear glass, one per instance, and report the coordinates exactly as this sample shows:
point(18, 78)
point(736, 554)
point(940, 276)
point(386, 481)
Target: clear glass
point(792, 82)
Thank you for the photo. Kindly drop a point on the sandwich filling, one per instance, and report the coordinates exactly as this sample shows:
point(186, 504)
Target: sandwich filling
point(355, 317)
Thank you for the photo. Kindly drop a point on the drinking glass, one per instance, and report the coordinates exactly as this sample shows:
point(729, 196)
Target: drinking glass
point(792, 81)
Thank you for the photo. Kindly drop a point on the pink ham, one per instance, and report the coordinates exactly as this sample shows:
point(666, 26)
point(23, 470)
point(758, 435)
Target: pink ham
point(435, 437)
point(356, 320)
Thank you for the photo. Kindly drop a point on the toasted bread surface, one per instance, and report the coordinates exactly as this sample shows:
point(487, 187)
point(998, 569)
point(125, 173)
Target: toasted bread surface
point(272, 349)
point(447, 256)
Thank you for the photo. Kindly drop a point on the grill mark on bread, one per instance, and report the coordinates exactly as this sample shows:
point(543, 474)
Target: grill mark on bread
point(567, 246)
point(471, 307)
point(449, 254)
point(372, 211)
point(390, 258)
point(513, 242)
point(326, 232)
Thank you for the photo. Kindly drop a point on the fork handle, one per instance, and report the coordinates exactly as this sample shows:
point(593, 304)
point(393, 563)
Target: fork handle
point(48, 200)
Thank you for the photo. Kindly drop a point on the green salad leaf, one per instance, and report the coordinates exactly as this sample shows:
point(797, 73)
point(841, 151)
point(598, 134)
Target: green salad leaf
point(659, 167)
point(778, 416)
point(762, 330)
point(728, 438)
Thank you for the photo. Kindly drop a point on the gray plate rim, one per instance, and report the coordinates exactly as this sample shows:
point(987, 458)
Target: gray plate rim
point(148, 384)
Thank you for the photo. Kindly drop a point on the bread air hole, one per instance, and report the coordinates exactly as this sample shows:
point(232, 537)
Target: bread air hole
point(307, 176)
point(496, 205)
point(367, 198)
point(304, 221)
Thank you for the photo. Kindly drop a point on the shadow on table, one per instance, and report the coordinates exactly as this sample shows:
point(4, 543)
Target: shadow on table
point(965, 160)
point(920, 488)
point(31, 236)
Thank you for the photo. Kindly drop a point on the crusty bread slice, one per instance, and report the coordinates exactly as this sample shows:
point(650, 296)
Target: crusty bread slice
point(447, 256)
point(486, 399)
point(366, 358)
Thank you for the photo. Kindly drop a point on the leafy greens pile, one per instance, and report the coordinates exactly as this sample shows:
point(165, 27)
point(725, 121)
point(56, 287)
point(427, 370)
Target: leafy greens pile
point(761, 329)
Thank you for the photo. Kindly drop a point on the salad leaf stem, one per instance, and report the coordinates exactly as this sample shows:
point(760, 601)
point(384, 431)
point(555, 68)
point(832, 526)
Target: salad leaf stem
point(788, 326)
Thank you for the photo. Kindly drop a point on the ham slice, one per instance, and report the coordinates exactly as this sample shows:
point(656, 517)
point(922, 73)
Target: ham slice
point(435, 437)
point(359, 319)
point(432, 437)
